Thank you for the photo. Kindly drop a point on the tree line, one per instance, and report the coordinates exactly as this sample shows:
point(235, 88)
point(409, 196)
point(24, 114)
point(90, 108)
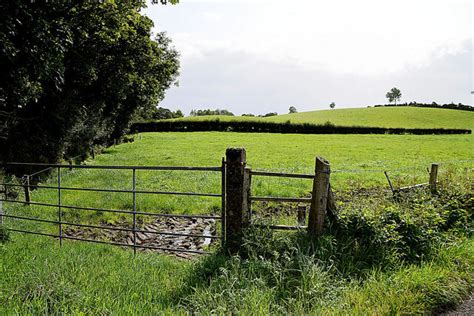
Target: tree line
point(451, 106)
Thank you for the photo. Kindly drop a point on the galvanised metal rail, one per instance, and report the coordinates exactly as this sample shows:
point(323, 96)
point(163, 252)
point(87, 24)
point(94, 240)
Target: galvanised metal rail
point(134, 212)
point(135, 230)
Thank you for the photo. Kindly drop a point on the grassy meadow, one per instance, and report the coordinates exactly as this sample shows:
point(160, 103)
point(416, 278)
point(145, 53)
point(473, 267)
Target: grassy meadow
point(406, 117)
point(385, 257)
point(357, 161)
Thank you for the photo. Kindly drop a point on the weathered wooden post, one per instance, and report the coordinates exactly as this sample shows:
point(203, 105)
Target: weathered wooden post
point(70, 164)
point(319, 198)
point(93, 152)
point(236, 197)
point(433, 177)
point(26, 186)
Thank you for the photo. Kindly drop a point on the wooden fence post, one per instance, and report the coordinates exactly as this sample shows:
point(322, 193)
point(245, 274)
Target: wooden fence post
point(93, 152)
point(237, 210)
point(26, 186)
point(319, 198)
point(70, 164)
point(433, 177)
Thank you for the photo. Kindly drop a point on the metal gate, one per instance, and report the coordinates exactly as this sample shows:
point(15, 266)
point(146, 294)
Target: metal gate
point(133, 213)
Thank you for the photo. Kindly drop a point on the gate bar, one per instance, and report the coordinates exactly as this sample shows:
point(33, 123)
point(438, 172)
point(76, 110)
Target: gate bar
point(117, 211)
point(59, 208)
point(134, 184)
point(171, 168)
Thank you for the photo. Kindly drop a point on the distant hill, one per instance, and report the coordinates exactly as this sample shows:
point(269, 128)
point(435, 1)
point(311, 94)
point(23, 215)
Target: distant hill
point(403, 117)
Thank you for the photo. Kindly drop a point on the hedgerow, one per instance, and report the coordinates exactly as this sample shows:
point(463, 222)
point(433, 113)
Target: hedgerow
point(274, 127)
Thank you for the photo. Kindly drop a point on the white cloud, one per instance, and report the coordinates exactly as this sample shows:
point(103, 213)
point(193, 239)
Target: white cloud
point(364, 37)
point(264, 55)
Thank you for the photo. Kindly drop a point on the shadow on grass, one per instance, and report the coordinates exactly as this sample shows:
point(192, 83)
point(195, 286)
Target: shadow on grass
point(282, 266)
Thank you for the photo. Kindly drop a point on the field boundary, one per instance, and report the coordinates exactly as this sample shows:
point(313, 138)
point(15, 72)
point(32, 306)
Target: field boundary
point(285, 128)
point(235, 195)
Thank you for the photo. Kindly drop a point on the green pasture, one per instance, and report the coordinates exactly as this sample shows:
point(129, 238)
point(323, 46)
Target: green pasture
point(357, 161)
point(411, 256)
point(406, 117)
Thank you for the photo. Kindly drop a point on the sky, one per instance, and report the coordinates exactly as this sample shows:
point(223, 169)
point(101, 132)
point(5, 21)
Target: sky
point(260, 56)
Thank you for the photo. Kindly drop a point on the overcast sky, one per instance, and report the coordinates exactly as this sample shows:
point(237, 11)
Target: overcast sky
point(266, 55)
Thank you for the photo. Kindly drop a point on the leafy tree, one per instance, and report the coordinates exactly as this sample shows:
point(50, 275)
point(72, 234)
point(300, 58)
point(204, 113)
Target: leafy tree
point(292, 109)
point(74, 73)
point(156, 114)
point(332, 105)
point(394, 95)
point(270, 114)
point(210, 112)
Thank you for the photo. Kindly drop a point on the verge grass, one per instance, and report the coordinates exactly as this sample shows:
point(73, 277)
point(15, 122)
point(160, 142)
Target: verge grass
point(37, 277)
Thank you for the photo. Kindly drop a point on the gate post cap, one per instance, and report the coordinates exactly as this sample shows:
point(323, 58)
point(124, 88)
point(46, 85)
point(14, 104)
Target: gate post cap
point(234, 155)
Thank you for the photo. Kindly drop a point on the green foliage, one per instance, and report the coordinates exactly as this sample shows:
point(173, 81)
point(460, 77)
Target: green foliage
point(292, 109)
point(452, 106)
point(210, 112)
point(270, 114)
point(75, 74)
point(260, 126)
point(159, 113)
point(394, 95)
point(332, 105)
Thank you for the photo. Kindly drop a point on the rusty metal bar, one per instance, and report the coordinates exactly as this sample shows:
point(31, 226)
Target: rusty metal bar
point(282, 174)
point(163, 168)
point(280, 199)
point(117, 211)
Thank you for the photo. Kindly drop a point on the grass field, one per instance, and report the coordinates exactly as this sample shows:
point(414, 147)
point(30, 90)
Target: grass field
point(357, 161)
point(406, 257)
point(406, 117)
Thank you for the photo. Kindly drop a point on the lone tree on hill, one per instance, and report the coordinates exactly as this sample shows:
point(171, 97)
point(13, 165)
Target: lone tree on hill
point(292, 109)
point(394, 95)
point(332, 105)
